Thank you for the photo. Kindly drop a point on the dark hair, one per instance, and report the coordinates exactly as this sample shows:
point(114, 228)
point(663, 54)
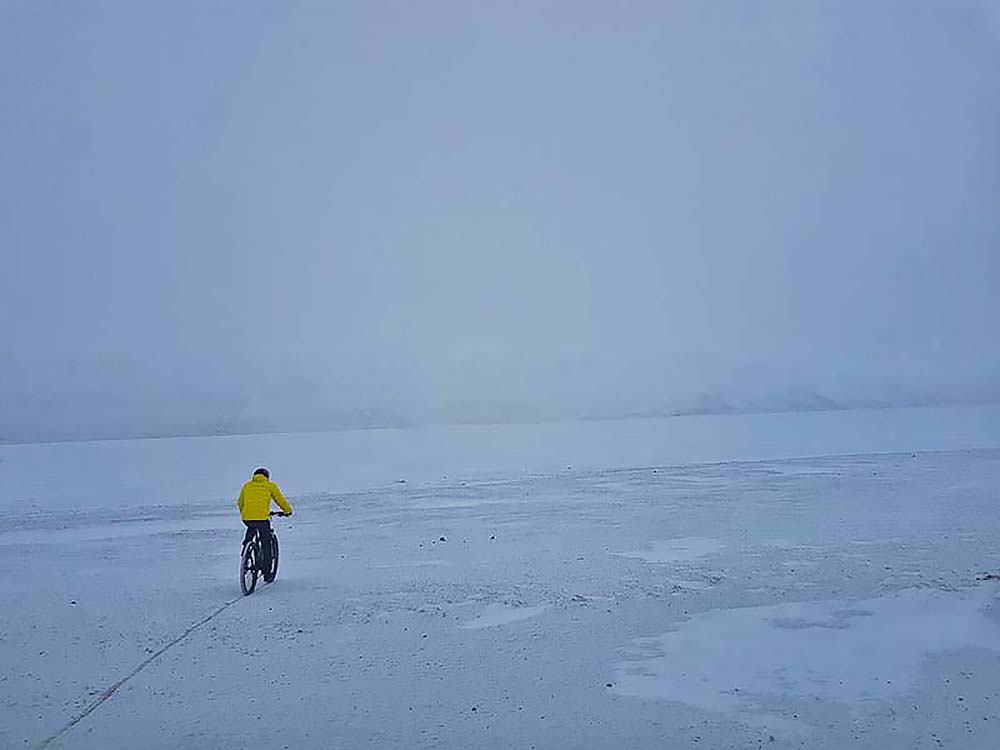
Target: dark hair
point(262, 471)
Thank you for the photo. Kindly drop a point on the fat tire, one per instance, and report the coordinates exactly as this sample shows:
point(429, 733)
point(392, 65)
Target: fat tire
point(248, 568)
point(270, 575)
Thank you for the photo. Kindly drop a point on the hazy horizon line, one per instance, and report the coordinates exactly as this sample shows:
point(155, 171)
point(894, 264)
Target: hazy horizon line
point(417, 425)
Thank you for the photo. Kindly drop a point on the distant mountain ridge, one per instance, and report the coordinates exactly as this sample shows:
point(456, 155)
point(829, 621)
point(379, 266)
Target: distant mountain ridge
point(155, 425)
point(471, 387)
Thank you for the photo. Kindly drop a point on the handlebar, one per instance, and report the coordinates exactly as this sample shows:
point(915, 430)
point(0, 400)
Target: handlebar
point(278, 513)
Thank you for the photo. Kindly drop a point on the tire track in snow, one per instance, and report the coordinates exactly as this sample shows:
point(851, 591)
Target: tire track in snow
point(105, 694)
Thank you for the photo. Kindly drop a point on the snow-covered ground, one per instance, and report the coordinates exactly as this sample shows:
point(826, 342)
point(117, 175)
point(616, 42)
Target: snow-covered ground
point(775, 580)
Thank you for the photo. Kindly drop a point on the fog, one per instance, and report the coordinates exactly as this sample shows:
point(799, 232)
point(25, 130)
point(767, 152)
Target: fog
point(280, 216)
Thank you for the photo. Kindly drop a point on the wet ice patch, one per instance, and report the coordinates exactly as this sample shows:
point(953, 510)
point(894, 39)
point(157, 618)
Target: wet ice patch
point(676, 550)
point(500, 614)
point(739, 660)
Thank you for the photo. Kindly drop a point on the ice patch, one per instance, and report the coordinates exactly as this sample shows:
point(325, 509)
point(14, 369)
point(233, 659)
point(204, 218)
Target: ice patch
point(791, 545)
point(691, 585)
point(94, 532)
point(676, 550)
point(734, 660)
point(500, 614)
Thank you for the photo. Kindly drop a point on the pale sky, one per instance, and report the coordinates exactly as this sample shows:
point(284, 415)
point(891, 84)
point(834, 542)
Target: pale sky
point(282, 215)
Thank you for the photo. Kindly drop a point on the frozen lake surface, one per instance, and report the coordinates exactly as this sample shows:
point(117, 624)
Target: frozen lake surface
point(205, 470)
point(783, 581)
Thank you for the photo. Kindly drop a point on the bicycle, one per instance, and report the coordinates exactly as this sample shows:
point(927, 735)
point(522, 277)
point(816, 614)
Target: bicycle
point(250, 560)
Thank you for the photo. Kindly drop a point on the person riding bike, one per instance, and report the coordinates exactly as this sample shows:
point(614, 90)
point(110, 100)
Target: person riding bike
point(255, 507)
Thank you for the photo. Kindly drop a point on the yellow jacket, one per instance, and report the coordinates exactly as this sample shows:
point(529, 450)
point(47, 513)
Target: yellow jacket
point(255, 499)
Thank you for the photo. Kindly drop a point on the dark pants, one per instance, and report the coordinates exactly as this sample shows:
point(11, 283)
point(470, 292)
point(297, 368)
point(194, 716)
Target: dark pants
point(264, 528)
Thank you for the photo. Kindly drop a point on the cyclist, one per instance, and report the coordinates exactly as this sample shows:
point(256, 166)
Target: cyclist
point(255, 507)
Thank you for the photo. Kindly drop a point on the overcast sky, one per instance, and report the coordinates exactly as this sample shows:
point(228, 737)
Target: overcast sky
point(285, 214)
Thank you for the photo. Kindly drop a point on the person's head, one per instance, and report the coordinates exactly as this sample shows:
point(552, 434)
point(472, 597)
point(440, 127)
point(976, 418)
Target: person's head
point(263, 472)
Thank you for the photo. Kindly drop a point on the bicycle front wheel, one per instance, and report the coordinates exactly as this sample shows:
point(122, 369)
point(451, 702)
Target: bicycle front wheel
point(271, 574)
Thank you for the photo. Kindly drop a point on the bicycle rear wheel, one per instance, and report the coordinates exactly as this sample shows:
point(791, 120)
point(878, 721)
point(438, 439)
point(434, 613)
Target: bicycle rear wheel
point(248, 568)
point(273, 572)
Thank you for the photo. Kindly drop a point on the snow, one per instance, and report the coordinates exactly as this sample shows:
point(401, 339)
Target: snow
point(685, 583)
